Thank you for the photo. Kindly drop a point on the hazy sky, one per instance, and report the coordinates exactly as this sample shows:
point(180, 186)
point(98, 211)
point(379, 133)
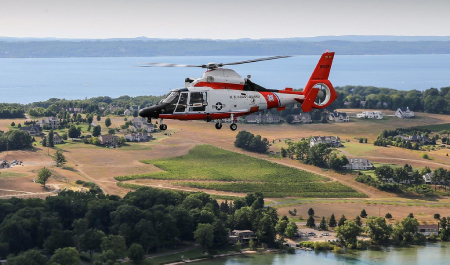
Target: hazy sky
point(225, 19)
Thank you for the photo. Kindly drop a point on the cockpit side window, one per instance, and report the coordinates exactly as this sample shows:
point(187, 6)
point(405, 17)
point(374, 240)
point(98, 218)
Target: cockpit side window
point(171, 98)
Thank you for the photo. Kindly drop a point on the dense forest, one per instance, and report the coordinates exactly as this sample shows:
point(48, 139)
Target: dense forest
point(147, 219)
point(159, 47)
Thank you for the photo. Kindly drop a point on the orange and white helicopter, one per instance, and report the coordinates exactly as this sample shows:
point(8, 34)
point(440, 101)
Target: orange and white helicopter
point(222, 93)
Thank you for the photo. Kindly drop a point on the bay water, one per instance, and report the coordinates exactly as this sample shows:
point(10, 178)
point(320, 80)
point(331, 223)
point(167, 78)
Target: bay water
point(435, 254)
point(26, 80)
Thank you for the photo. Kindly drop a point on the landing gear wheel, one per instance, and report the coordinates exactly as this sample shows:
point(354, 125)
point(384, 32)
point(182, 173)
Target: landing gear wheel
point(163, 127)
point(149, 120)
point(218, 126)
point(233, 126)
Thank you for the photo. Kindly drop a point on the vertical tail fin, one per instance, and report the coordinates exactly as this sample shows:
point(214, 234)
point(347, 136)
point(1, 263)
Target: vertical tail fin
point(318, 86)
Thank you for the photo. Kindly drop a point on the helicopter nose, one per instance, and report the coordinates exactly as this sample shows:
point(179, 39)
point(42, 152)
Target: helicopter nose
point(150, 112)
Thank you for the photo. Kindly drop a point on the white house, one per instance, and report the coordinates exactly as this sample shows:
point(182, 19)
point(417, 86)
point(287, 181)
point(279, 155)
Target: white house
point(404, 113)
point(428, 230)
point(338, 117)
point(263, 118)
point(302, 118)
point(370, 115)
point(427, 178)
point(358, 164)
point(328, 140)
point(50, 122)
point(141, 123)
point(138, 137)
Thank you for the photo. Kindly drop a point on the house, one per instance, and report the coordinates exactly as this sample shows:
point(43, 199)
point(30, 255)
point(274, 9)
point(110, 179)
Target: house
point(109, 140)
point(427, 178)
point(401, 137)
point(328, 140)
point(428, 230)
point(140, 123)
point(242, 236)
point(362, 103)
point(33, 130)
point(302, 118)
point(131, 110)
point(370, 115)
point(263, 118)
point(358, 164)
point(57, 139)
point(138, 137)
point(404, 113)
point(338, 117)
point(419, 139)
point(49, 123)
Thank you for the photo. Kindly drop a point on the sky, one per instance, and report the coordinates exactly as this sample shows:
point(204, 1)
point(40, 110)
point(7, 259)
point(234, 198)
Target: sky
point(225, 19)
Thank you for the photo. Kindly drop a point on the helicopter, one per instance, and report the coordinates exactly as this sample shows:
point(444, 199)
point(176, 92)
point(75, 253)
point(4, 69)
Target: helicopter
point(221, 93)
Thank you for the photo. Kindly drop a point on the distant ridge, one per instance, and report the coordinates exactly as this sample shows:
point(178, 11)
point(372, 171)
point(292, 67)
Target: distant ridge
point(147, 47)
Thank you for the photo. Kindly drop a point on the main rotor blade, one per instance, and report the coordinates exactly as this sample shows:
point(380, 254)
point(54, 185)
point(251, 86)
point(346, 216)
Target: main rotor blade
point(169, 65)
point(259, 60)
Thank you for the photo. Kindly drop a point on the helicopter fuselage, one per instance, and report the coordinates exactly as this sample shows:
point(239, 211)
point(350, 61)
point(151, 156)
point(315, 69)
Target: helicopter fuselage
point(205, 103)
point(222, 93)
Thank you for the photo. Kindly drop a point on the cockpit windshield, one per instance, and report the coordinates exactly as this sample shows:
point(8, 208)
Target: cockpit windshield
point(171, 97)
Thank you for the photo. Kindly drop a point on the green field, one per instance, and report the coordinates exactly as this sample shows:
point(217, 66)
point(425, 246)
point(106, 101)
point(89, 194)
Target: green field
point(311, 190)
point(207, 162)
point(209, 167)
point(10, 175)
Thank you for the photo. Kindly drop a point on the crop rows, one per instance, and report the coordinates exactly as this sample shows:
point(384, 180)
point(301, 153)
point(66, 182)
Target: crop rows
point(320, 190)
point(206, 162)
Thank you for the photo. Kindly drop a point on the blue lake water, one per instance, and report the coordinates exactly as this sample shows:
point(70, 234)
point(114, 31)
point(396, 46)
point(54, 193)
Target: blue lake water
point(435, 254)
point(25, 80)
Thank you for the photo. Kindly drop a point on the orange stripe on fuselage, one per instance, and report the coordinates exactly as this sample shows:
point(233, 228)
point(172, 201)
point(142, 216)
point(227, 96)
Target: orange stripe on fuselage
point(220, 85)
point(271, 99)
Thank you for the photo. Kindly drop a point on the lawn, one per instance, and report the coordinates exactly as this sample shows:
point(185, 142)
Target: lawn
point(10, 175)
point(209, 167)
point(358, 149)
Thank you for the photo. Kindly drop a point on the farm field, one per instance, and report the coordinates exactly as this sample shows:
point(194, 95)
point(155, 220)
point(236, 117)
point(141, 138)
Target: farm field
point(102, 165)
point(233, 172)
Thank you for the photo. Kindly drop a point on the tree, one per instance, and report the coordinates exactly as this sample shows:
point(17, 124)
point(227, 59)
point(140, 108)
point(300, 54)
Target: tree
point(59, 158)
point(97, 131)
point(437, 216)
point(281, 226)
point(406, 232)
point(358, 220)
point(252, 244)
point(291, 229)
point(114, 247)
point(90, 118)
point(378, 230)
point(58, 239)
point(43, 175)
point(388, 216)
point(65, 256)
point(29, 257)
point(323, 224)
point(311, 212)
point(411, 215)
point(310, 222)
point(108, 122)
point(74, 132)
point(91, 241)
point(99, 117)
point(204, 235)
point(384, 173)
point(342, 220)
point(363, 213)
point(283, 152)
point(135, 113)
point(332, 222)
point(136, 253)
point(348, 233)
point(13, 124)
point(50, 139)
point(111, 131)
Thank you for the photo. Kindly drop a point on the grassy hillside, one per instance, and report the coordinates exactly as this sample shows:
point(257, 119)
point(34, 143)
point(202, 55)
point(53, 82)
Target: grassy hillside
point(228, 171)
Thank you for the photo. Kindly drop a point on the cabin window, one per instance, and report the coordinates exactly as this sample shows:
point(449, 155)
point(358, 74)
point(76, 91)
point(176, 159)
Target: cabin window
point(182, 103)
point(198, 101)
